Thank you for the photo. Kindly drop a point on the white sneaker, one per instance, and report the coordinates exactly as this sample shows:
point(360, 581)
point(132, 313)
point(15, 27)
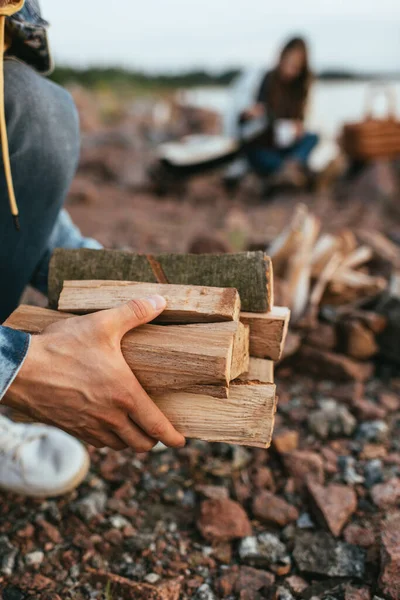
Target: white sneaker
point(41, 461)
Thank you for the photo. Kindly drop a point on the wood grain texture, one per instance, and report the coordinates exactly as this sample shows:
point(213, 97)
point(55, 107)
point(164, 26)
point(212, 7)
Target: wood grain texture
point(249, 272)
point(171, 357)
point(259, 370)
point(267, 332)
point(185, 304)
point(245, 418)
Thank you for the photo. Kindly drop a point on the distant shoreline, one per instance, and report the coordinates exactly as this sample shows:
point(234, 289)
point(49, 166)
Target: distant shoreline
point(94, 77)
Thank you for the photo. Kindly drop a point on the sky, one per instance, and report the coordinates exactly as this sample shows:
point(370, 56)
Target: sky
point(175, 35)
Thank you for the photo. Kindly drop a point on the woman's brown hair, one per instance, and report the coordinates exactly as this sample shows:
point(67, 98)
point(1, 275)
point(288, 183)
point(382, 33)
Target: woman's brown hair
point(287, 100)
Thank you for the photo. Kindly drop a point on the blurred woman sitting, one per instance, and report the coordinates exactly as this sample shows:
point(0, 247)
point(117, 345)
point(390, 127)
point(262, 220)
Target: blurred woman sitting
point(284, 150)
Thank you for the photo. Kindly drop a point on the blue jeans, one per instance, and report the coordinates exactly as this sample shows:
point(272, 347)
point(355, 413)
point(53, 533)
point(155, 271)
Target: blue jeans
point(266, 161)
point(43, 131)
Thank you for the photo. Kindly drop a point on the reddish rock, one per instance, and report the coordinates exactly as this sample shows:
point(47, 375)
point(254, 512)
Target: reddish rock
point(253, 580)
point(223, 520)
point(304, 466)
point(391, 402)
point(369, 411)
point(359, 536)
point(390, 558)
point(222, 551)
point(372, 451)
point(296, 584)
point(213, 492)
point(131, 590)
point(262, 478)
point(331, 460)
point(286, 440)
point(334, 504)
point(272, 509)
point(50, 531)
point(387, 495)
point(357, 593)
point(226, 583)
point(114, 536)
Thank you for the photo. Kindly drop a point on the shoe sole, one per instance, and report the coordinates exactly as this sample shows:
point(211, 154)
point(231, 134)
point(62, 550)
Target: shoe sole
point(68, 487)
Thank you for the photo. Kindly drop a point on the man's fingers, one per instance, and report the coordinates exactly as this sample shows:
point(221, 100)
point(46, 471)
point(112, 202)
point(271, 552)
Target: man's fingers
point(152, 421)
point(134, 437)
point(132, 314)
point(106, 439)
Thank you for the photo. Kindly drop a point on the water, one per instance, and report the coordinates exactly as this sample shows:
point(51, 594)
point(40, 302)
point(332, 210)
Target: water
point(331, 104)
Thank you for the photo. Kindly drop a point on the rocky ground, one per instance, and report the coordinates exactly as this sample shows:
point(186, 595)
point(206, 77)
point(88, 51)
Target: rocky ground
point(316, 516)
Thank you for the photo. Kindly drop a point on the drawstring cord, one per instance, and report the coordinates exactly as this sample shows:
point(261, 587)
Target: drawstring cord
point(3, 131)
point(7, 8)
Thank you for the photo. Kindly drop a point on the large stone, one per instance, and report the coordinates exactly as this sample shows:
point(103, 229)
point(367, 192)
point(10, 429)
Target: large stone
point(253, 580)
point(223, 520)
point(387, 495)
point(272, 509)
point(265, 550)
point(304, 466)
point(8, 554)
point(359, 536)
point(205, 593)
point(320, 554)
point(334, 505)
point(332, 420)
point(390, 558)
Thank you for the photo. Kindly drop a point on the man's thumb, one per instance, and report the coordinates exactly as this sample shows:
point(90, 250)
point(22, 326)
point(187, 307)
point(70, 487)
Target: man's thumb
point(135, 313)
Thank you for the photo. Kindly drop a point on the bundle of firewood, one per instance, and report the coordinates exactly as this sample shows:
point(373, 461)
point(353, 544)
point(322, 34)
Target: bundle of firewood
point(207, 362)
point(336, 285)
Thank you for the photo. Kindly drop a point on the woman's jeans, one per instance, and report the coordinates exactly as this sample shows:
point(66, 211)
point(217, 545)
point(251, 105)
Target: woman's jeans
point(43, 132)
point(266, 161)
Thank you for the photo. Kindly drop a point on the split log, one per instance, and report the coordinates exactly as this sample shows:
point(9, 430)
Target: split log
point(185, 304)
point(320, 286)
point(327, 365)
point(166, 357)
point(357, 280)
point(259, 370)
point(357, 258)
point(246, 418)
point(356, 340)
point(381, 245)
point(249, 272)
point(267, 332)
point(324, 249)
point(287, 242)
point(299, 268)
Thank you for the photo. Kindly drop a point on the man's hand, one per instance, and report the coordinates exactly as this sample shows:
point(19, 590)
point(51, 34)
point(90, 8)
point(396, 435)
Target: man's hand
point(75, 378)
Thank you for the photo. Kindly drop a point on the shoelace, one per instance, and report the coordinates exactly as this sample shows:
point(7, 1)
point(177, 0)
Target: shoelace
point(7, 8)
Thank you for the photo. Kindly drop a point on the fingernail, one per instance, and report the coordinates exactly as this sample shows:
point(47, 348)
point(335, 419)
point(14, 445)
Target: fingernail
point(157, 302)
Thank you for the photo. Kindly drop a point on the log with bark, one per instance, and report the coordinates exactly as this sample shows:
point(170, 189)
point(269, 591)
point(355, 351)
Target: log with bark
point(185, 304)
point(167, 357)
point(249, 272)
